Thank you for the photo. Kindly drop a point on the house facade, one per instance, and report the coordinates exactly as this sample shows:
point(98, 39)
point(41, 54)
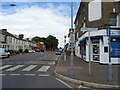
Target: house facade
point(104, 16)
point(12, 42)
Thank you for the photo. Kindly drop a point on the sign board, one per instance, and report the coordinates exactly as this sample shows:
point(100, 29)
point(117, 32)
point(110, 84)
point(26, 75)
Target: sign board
point(95, 10)
point(89, 29)
point(113, 31)
point(115, 49)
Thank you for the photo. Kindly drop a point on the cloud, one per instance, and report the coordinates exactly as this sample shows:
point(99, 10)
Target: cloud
point(38, 21)
point(40, 0)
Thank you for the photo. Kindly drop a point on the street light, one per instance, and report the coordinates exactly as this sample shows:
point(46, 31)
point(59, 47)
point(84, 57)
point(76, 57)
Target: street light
point(65, 47)
point(9, 5)
point(71, 38)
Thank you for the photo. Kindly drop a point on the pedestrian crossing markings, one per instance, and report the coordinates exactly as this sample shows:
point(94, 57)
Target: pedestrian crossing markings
point(29, 68)
point(11, 68)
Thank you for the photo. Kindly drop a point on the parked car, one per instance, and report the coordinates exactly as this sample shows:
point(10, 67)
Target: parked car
point(58, 52)
point(37, 50)
point(31, 51)
point(3, 53)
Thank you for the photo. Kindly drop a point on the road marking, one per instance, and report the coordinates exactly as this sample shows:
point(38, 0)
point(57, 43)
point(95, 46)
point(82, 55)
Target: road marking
point(14, 74)
point(63, 83)
point(14, 68)
point(44, 75)
point(29, 74)
point(44, 68)
point(52, 63)
point(2, 74)
point(29, 68)
point(5, 66)
point(45, 56)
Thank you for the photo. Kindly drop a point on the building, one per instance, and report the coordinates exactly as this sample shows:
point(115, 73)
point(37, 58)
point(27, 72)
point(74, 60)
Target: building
point(100, 15)
point(12, 42)
point(41, 46)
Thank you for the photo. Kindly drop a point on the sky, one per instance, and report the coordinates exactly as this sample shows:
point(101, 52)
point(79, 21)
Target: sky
point(37, 18)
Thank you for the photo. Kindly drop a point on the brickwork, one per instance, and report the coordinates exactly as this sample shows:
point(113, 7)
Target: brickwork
point(82, 16)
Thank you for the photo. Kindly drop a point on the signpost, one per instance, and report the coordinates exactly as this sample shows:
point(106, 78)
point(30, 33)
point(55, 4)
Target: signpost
point(65, 48)
point(89, 30)
point(110, 64)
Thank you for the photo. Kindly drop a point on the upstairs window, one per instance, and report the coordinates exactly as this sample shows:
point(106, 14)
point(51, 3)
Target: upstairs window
point(113, 19)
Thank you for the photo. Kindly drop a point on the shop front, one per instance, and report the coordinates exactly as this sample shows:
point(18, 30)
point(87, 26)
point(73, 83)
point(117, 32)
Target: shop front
point(99, 47)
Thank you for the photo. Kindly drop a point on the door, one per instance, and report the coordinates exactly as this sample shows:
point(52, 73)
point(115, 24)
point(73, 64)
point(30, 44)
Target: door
point(95, 52)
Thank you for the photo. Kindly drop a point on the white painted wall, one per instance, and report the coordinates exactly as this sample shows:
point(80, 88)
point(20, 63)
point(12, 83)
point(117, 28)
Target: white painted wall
point(104, 57)
point(94, 10)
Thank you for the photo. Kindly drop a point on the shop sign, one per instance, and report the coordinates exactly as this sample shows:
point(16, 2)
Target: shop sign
point(114, 32)
point(115, 49)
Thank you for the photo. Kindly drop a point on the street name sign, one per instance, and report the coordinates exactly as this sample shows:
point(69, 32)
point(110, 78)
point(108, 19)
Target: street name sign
point(89, 29)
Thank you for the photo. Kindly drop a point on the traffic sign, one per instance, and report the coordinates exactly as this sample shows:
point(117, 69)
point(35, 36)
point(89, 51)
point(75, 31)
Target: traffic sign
point(89, 29)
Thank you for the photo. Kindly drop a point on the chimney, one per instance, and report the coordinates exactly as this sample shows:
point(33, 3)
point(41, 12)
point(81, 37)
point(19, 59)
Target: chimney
point(5, 30)
point(21, 36)
point(27, 39)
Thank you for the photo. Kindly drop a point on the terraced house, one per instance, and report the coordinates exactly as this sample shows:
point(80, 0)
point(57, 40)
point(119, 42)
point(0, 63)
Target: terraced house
point(12, 42)
point(104, 16)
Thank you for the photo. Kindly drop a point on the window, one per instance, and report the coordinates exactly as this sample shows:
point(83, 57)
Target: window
point(106, 49)
point(113, 19)
point(118, 20)
point(115, 39)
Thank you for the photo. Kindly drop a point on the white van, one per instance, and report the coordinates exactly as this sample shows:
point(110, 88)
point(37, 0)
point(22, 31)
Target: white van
point(3, 53)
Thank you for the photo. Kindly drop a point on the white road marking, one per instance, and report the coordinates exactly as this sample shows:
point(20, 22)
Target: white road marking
point(14, 68)
point(63, 82)
point(29, 74)
point(52, 63)
point(44, 68)
point(29, 68)
point(5, 66)
point(44, 75)
point(2, 74)
point(14, 74)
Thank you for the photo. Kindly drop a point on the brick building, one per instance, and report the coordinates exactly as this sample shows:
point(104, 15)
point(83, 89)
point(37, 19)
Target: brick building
point(101, 15)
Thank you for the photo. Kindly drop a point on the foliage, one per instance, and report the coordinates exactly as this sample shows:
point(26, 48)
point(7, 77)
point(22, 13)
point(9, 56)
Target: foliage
point(26, 50)
point(38, 39)
point(20, 50)
point(51, 42)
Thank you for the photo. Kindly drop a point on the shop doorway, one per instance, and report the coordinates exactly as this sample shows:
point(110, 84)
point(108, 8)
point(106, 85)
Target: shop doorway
point(95, 52)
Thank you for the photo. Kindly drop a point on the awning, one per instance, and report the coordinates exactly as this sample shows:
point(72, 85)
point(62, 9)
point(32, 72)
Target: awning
point(93, 37)
point(115, 36)
point(83, 40)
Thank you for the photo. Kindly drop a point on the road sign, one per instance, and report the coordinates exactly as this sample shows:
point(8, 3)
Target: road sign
point(89, 29)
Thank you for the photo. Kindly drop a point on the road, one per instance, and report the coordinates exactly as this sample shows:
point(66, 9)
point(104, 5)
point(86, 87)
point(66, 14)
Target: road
point(32, 70)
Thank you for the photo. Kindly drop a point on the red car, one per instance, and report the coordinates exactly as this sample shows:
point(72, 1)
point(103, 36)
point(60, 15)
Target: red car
point(37, 50)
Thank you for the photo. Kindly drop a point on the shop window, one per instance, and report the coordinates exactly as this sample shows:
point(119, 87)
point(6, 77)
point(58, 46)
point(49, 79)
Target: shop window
point(95, 40)
point(115, 39)
point(106, 49)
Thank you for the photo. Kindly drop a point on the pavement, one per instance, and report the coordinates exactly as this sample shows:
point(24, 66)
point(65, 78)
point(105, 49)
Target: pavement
point(97, 79)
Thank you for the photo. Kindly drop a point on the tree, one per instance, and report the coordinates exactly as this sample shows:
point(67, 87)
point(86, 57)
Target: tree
point(36, 39)
point(51, 42)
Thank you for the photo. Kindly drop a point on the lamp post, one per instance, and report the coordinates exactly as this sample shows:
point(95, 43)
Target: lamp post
point(110, 63)
point(71, 38)
point(9, 5)
point(65, 47)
